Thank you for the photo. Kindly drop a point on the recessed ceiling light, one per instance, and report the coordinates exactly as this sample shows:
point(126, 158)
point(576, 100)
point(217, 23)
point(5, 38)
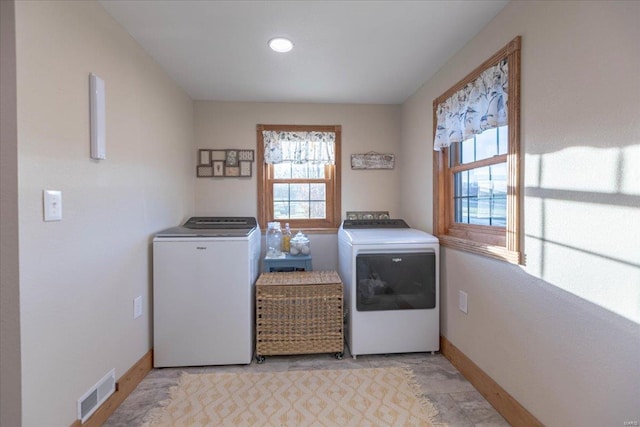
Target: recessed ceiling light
point(280, 44)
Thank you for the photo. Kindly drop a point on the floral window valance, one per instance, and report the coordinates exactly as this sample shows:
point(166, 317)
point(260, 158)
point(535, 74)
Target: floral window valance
point(299, 147)
point(478, 106)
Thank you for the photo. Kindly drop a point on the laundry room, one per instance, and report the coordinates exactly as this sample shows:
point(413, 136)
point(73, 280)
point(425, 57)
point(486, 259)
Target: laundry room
point(535, 279)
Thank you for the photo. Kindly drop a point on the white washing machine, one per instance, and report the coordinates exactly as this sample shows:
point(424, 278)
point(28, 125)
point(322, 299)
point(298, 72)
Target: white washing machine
point(203, 292)
point(391, 278)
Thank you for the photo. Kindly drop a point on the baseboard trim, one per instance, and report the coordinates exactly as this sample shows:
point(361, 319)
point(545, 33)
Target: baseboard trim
point(124, 386)
point(503, 402)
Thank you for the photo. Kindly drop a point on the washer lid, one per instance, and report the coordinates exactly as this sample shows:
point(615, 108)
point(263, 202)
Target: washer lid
point(374, 223)
point(386, 236)
point(212, 227)
point(221, 222)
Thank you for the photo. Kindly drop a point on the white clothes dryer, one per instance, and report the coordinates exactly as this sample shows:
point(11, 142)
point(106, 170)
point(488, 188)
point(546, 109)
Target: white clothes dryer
point(391, 277)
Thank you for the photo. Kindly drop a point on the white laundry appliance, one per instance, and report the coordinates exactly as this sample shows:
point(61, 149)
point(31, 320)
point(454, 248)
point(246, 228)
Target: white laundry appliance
point(391, 277)
point(203, 292)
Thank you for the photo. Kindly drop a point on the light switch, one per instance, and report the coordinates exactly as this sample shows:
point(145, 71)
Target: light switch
point(52, 205)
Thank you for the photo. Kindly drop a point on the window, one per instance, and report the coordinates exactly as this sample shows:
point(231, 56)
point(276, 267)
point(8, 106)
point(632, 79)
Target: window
point(476, 163)
point(479, 172)
point(299, 175)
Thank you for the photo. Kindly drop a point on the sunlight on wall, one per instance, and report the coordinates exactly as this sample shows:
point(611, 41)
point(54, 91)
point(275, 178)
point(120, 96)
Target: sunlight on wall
point(595, 170)
point(582, 222)
point(630, 174)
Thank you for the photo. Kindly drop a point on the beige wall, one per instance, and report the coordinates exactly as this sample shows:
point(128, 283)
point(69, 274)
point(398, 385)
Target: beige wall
point(10, 385)
point(364, 128)
point(79, 276)
point(562, 334)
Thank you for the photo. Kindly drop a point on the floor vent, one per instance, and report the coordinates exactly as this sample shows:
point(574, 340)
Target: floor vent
point(96, 396)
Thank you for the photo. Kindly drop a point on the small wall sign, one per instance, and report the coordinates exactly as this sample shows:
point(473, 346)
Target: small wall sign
point(372, 160)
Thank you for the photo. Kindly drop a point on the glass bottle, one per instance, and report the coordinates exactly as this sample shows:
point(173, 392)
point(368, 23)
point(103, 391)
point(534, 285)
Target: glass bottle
point(286, 238)
point(274, 240)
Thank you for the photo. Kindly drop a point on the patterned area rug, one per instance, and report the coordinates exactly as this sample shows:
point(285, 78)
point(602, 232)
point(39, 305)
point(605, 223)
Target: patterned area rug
point(350, 397)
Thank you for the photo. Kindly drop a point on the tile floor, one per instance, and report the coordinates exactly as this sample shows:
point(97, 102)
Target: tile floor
point(458, 403)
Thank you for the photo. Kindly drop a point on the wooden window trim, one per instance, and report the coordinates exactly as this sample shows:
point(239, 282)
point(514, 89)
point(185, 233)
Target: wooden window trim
point(504, 243)
point(332, 178)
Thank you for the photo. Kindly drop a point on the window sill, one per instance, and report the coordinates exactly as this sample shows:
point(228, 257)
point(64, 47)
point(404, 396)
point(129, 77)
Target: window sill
point(497, 252)
point(320, 230)
point(310, 230)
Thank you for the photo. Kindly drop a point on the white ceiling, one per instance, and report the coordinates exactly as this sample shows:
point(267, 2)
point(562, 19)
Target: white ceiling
point(363, 52)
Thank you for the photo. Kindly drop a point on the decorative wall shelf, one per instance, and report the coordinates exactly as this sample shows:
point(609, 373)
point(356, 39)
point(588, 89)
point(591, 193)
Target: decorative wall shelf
point(225, 163)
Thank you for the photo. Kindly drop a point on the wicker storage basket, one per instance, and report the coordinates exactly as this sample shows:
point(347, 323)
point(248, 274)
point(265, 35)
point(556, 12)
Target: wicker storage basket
point(299, 313)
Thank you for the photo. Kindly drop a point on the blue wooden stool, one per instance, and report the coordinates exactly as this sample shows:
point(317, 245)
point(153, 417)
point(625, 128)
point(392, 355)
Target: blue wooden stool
point(288, 263)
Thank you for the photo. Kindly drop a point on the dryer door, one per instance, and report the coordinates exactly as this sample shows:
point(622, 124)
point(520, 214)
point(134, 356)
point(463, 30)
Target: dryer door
point(395, 281)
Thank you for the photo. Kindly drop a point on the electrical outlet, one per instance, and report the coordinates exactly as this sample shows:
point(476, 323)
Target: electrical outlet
point(462, 301)
point(137, 307)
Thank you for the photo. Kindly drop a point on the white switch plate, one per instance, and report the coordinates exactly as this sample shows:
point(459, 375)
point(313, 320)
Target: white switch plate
point(137, 307)
point(52, 200)
point(462, 301)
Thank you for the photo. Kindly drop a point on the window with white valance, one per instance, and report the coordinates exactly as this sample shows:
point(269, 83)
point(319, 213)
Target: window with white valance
point(477, 191)
point(299, 176)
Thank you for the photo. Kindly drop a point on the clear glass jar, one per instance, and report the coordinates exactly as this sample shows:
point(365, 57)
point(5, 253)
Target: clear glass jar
point(299, 245)
point(274, 240)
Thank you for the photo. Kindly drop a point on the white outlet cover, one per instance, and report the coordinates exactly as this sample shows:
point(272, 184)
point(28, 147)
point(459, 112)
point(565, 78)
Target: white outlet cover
point(137, 307)
point(462, 301)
